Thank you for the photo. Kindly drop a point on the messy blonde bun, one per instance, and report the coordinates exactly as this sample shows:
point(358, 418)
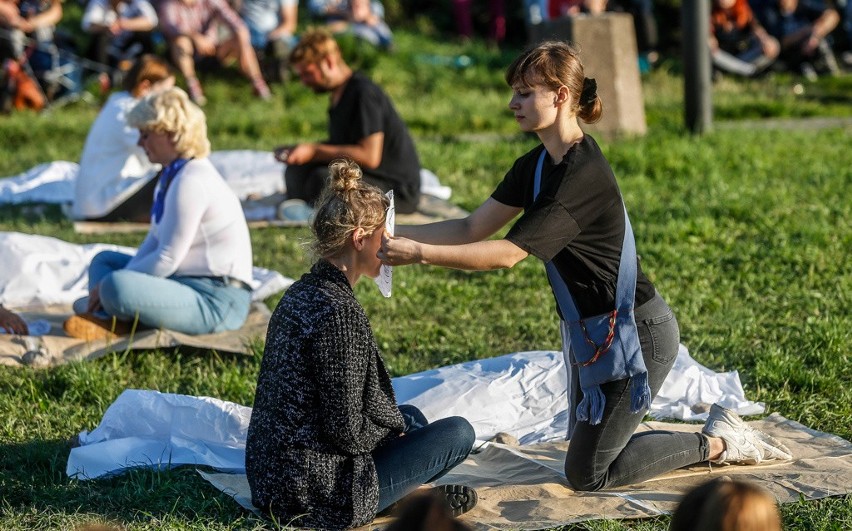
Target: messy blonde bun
point(346, 203)
point(345, 176)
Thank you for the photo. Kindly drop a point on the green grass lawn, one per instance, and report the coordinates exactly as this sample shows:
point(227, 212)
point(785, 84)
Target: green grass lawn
point(746, 232)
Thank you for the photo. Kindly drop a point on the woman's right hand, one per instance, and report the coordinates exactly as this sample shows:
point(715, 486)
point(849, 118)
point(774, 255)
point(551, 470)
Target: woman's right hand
point(399, 251)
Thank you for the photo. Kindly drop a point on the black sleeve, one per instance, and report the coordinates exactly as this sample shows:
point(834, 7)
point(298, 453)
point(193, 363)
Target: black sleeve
point(546, 225)
point(574, 195)
point(545, 229)
point(367, 115)
point(512, 189)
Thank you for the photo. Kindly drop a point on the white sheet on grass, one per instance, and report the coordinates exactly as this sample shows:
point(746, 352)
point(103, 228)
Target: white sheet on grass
point(40, 271)
point(251, 174)
point(523, 394)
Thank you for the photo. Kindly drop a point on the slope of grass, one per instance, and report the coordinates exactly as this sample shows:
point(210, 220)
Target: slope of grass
point(745, 232)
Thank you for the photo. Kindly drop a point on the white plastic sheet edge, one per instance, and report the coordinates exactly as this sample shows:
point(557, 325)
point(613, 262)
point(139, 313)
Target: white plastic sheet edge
point(522, 394)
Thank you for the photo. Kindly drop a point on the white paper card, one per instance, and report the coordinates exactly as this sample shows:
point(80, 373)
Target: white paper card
point(385, 278)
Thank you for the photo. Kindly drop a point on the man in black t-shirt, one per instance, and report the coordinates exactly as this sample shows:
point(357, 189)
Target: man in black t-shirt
point(363, 127)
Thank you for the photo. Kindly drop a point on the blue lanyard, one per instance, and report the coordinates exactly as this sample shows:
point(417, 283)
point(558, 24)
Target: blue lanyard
point(166, 176)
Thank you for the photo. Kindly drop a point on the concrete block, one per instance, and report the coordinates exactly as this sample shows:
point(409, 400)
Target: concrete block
point(608, 51)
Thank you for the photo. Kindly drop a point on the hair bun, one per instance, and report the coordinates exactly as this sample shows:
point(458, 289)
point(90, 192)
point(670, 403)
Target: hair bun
point(590, 91)
point(345, 175)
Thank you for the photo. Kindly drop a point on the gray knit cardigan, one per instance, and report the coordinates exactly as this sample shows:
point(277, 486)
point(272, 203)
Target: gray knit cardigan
point(323, 403)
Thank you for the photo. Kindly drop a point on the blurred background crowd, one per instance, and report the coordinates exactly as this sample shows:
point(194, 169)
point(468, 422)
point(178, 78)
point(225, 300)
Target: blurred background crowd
point(49, 49)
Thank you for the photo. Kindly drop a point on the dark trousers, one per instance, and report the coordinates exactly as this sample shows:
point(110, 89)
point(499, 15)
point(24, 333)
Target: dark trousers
point(422, 455)
point(99, 49)
point(135, 208)
point(610, 454)
point(306, 181)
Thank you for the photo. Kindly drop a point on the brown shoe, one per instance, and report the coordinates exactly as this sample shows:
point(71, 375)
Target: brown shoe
point(89, 327)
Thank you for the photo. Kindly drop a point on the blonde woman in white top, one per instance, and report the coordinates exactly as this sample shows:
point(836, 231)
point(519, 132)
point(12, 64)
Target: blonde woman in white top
point(191, 272)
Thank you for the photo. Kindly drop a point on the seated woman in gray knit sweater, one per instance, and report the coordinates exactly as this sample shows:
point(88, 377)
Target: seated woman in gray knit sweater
point(327, 445)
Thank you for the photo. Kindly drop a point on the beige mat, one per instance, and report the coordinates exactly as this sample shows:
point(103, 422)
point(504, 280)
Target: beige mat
point(523, 487)
point(56, 347)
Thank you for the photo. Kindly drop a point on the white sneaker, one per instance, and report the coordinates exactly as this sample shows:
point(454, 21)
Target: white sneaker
point(744, 444)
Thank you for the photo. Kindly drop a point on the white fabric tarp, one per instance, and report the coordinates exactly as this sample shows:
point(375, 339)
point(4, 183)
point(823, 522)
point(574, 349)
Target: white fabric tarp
point(251, 174)
point(41, 271)
point(522, 394)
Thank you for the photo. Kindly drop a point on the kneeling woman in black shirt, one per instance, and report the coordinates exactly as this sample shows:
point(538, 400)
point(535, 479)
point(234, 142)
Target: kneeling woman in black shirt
point(620, 338)
point(327, 445)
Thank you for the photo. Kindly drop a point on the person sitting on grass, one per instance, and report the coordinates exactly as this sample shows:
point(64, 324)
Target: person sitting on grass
point(27, 36)
point(739, 44)
point(11, 323)
point(362, 18)
point(191, 272)
point(116, 180)
point(802, 28)
point(363, 126)
point(272, 31)
point(192, 28)
point(327, 445)
point(121, 30)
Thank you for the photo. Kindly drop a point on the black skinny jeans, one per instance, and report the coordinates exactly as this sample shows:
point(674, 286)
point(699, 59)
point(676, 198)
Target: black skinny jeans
point(609, 454)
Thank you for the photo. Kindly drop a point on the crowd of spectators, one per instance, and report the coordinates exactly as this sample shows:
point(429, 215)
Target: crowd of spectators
point(750, 36)
point(747, 37)
point(255, 34)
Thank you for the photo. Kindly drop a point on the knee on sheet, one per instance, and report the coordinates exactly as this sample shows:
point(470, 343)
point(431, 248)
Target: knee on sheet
point(581, 477)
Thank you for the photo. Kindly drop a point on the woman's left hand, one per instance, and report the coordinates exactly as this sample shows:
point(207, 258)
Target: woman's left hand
point(399, 251)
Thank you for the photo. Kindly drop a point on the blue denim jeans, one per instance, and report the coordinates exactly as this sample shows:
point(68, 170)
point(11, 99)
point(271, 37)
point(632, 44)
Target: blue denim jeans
point(425, 453)
point(609, 454)
point(192, 305)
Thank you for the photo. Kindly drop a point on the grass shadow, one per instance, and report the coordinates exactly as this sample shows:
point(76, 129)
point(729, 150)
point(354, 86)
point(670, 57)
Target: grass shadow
point(33, 480)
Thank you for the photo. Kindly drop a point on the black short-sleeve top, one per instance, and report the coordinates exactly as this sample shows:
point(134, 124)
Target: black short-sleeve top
point(577, 221)
point(364, 109)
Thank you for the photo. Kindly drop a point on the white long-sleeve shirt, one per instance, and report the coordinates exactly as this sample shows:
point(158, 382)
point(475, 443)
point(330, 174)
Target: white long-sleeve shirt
point(112, 166)
point(203, 231)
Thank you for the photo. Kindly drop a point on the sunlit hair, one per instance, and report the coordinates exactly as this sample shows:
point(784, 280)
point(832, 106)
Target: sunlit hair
point(726, 505)
point(170, 111)
point(314, 45)
point(149, 68)
point(553, 64)
point(346, 203)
